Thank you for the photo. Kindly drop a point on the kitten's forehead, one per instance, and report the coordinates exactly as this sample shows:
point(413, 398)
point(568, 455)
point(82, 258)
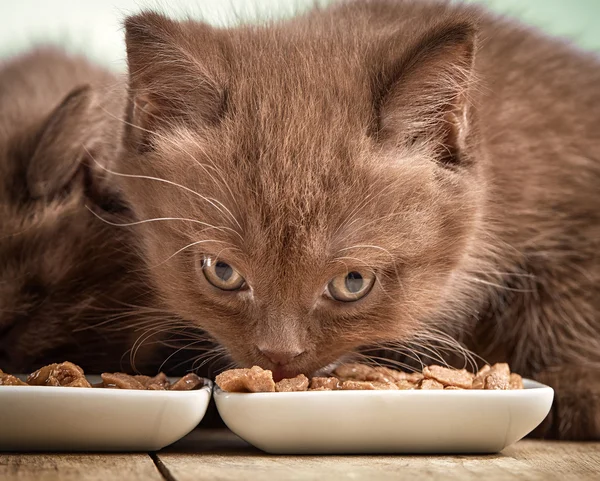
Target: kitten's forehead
point(285, 81)
point(297, 134)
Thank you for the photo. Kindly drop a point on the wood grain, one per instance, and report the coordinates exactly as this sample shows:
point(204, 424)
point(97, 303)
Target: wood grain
point(84, 467)
point(218, 455)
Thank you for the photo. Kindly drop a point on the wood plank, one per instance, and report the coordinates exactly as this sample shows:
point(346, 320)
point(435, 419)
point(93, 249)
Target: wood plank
point(219, 455)
point(563, 459)
point(84, 467)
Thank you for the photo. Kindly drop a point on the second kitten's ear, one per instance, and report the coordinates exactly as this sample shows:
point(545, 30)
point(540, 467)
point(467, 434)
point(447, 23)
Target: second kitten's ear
point(175, 75)
point(423, 96)
point(73, 134)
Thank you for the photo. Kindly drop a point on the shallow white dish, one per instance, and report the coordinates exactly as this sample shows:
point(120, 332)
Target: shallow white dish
point(45, 418)
point(327, 422)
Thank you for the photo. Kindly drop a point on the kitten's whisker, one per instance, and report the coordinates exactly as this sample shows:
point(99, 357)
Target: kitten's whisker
point(149, 319)
point(178, 351)
point(193, 358)
point(213, 202)
point(453, 345)
point(387, 360)
point(389, 347)
point(162, 219)
point(502, 273)
point(192, 244)
point(497, 286)
point(214, 357)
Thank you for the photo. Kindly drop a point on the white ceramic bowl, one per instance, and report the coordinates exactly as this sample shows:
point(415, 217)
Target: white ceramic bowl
point(322, 422)
point(45, 418)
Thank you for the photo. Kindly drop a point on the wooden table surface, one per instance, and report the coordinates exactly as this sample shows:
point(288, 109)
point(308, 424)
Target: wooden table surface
point(220, 455)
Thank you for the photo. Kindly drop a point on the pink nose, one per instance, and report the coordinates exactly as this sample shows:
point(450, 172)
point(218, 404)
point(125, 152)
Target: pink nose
point(280, 357)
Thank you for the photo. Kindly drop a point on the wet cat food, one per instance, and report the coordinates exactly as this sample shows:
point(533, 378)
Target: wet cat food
point(298, 383)
point(363, 377)
point(67, 374)
point(64, 374)
point(449, 377)
point(324, 383)
point(254, 379)
point(10, 380)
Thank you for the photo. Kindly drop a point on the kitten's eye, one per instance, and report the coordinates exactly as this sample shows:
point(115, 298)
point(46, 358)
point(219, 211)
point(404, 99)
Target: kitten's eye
point(351, 287)
point(222, 275)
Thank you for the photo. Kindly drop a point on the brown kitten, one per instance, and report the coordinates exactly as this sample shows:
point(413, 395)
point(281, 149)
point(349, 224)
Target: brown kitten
point(62, 269)
point(372, 172)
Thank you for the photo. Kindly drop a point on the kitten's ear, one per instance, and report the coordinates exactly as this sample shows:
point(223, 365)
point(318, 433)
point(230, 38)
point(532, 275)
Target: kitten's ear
point(175, 75)
point(71, 138)
point(423, 95)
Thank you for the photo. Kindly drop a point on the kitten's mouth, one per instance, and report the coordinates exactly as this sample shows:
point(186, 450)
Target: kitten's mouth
point(281, 372)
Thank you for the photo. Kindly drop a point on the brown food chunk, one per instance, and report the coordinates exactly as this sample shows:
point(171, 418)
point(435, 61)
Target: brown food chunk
point(356, 372)
point(143, 379)
point(498, 377)
point(156, 383)
point(516, 381)
point(479, 378)
point(430, 384)
point(385, 374)
point(64, 374)
point(414, 377)
point(79, 382)
point(324, 384)
point(357, 385)
point(246, 380)
point(188, 382)
point(396, 376)
point(298, 383)
point(362, 372)
point(453, 388)
point(10, 380)
point(351, 385)
point(68, 374)
point(387, 386)
point(119, 380)
point(43, 377)
point(405, 385)
point(449, 377)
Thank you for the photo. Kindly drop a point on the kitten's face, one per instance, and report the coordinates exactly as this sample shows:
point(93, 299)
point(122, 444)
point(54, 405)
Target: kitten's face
point(285, 227)
point(61, 268)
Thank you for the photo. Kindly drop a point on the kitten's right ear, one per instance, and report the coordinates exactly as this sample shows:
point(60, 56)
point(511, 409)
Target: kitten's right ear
point(69, 137)
point(423, 94)
point(176, 75)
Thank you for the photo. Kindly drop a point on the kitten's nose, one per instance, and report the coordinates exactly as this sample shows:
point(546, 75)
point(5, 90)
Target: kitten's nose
point(280, 357)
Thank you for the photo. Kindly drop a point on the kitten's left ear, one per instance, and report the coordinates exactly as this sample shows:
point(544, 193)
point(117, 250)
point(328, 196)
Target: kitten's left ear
point(423, 96)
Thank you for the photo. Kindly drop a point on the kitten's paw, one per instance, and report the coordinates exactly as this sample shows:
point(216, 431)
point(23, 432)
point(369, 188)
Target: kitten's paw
point(575, 413)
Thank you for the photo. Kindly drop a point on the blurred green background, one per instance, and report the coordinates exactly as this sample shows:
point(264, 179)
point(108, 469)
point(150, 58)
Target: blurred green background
point(94, 26)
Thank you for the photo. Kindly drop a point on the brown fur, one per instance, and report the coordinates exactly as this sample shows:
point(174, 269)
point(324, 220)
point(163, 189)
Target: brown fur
point(452, 153)
point(62, 269)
